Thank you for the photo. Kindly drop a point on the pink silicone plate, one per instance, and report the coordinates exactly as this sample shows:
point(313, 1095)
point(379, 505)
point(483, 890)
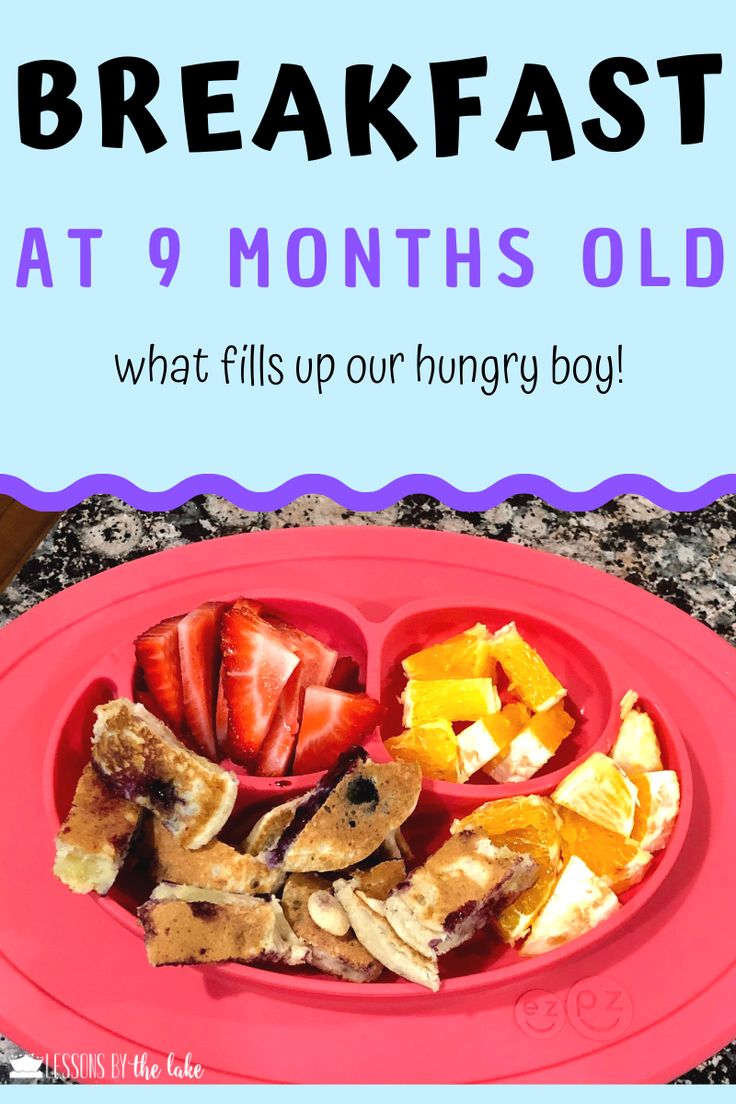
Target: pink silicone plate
point(585, 1012)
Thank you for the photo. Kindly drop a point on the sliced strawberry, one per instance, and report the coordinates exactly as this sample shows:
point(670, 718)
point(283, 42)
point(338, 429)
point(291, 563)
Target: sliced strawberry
point(257, 665)
point(199, 634)
point(332, 721)
point(316, 663)
point(157, 653)
point(221, 715)
point(346, 676)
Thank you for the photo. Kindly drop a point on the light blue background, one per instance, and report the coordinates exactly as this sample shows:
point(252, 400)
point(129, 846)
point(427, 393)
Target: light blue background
point(66, 416)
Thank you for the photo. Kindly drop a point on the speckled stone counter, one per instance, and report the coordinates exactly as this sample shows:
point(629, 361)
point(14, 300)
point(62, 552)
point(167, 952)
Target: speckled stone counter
point(687, 559)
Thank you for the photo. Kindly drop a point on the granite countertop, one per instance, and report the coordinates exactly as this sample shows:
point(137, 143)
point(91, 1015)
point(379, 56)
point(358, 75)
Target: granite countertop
point(687, 559)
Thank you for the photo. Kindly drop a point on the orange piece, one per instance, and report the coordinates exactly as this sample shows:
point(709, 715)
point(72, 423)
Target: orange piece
point(529, 676)
point(657, 809)
point(449, 700)
point(528, 825)
point(618, 860)
point(532, 747)
point(433, 746)
point(466, 655)
point(600, 791)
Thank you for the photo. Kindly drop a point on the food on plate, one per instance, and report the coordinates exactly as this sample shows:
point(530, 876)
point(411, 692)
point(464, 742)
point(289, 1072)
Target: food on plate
point(579, 903)
point(466, 655)
point(257, 663)
point(184, 925)
point(368, 919)
point(532, 747)
point(658, 804)
point(464, 699)
point(269, 826)
point(214, 866)
point(617, 860)
point(433, 746)
point(95, 837)
point(636, 749)
point(529, 676)
point(332, 722)
point(337, 951)
point(326, 879)
point(314, 669)
point(380, 880)
point(234, 681)
point(529, 826)
point(199, 659)
point(157, 655)
point(600, 791)
point(142, 761)
point(456, 681)
point(347, 815)
point(459, 888)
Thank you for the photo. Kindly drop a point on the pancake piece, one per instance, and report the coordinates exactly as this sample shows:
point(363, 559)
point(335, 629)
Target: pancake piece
point(95, 837)
point(368, 919)
point(356, 815)
point(268, 829)
point(185, 925)
point(214, 866)
point(344, 956)
point(379, 881)
point(142, 761)
point(466, 882)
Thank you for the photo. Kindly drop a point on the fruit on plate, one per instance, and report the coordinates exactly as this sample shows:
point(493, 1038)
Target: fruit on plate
point(580, 901)
point(332, 722)
point(157, 655)
point(617, 860)
point(636, 749)
point(527, 825)
point(600, 791)
point(316, 664)
point(199, 658)
point(529, 676)
point(257, 665)
point(465, 699)
point(533, 746)
point(433, 746)
point(657, 809)
point(465, 655)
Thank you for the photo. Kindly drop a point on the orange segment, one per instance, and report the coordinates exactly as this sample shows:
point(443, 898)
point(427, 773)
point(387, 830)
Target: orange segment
point(580, 901)
point(637, 748)
point(601, 792)
point(532, 747)
point(466, 655)
point(528, 825)
point(620, 862)
point(449, 700)
point(659, 804)
point(529, 676)
point(433, 746)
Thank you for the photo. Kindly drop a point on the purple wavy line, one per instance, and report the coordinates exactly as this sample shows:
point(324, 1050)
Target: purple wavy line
point(345, 496)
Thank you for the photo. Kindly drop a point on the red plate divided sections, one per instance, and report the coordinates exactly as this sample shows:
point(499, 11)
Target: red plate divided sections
point(75, 977)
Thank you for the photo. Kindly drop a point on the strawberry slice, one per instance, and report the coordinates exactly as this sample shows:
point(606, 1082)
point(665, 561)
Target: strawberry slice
point(332, 722)
point(199, 656)
point(257, 665)
point(316, 663)
point(221, 715)
point(157, 654)
point(346, 676)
